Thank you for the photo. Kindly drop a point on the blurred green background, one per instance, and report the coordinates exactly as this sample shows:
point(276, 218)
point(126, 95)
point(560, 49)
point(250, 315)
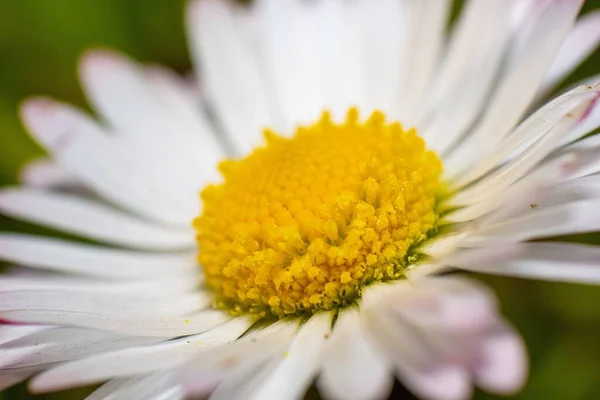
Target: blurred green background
point(40, 42)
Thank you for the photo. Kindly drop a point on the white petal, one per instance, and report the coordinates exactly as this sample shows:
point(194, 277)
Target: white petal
point(379, 24)
point(241, 382)
point(178, 94)
point(566, 262)
point(46, 174)
point(98, 159)
point(532, 129)
point(294, 373)
point(145, 118)
point(130, 314)
point(91, 219)
point(500, 179)
point(442, 245)
point(136, 360)
point(238, 357)
point(579, 44)
point(292, 58)
point(112, 388)
point(587, 160)
point(64, 344)
point(232, 78)
point(17, 279)
point(573, 218)
point(479, 39)
point(343, 76)
point(586, 188)
point(159, 385)
point(537, 43)
point(95, 261)
point(385, 328)
point(9, 333)
point(520, 196)
point(352, 367)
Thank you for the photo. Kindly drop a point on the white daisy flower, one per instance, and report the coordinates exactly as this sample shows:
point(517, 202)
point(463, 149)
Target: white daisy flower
point(317, 251)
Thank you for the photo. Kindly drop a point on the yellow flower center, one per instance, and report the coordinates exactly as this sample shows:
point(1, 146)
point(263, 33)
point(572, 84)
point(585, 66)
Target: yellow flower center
point(304, 224)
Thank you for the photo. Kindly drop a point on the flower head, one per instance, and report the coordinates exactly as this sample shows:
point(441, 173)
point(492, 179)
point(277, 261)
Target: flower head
point(391, 154)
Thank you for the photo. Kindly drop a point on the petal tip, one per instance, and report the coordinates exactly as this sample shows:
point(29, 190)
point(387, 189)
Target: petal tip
point(43, 117)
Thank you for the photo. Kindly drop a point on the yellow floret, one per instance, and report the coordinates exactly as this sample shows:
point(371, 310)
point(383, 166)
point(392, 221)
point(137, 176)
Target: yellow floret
point(304, 223)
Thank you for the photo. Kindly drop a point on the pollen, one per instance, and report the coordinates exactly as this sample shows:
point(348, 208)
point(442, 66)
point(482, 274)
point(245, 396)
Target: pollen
point(304, 224)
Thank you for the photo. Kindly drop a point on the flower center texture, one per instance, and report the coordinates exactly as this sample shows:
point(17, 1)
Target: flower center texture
point(305, 223)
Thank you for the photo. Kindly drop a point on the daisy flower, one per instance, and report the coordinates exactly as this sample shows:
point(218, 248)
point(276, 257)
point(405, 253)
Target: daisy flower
point(279, 226)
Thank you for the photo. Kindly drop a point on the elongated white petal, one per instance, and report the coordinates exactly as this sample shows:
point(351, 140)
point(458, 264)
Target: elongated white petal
point(385, 329)
point(379, 23)
point(537, 43)
point(421, 367)
point(134, 315)
point(298, 366)
point(342, 69)
point(159, 385)
point(532, 129)
point(565, 262)
point(512, 171)
point(292, 58)
point(239, 384)
point(64, 344)
point(352, 366)
point(423, 24)
point(524, 194)
point(136, 360)
point(94, 261)
point(447, 305)
point(46, 174)
point(113, 387)
point(10, 333)
point(573, 218)
point(244, 354)
point(479, 39)
point(17, 279)
point(90, 219)
point(579, 44)
point(143, 116)
point(98, 160)
point(232, 78)
point(586, 188)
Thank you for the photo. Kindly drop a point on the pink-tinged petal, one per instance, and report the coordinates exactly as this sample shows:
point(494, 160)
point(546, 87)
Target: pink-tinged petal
point(440, 383)
point(504, 364)
point(232, 78)
point(444, 335)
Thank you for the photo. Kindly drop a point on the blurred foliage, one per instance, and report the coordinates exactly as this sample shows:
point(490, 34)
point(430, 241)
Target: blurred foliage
point(40, 42)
